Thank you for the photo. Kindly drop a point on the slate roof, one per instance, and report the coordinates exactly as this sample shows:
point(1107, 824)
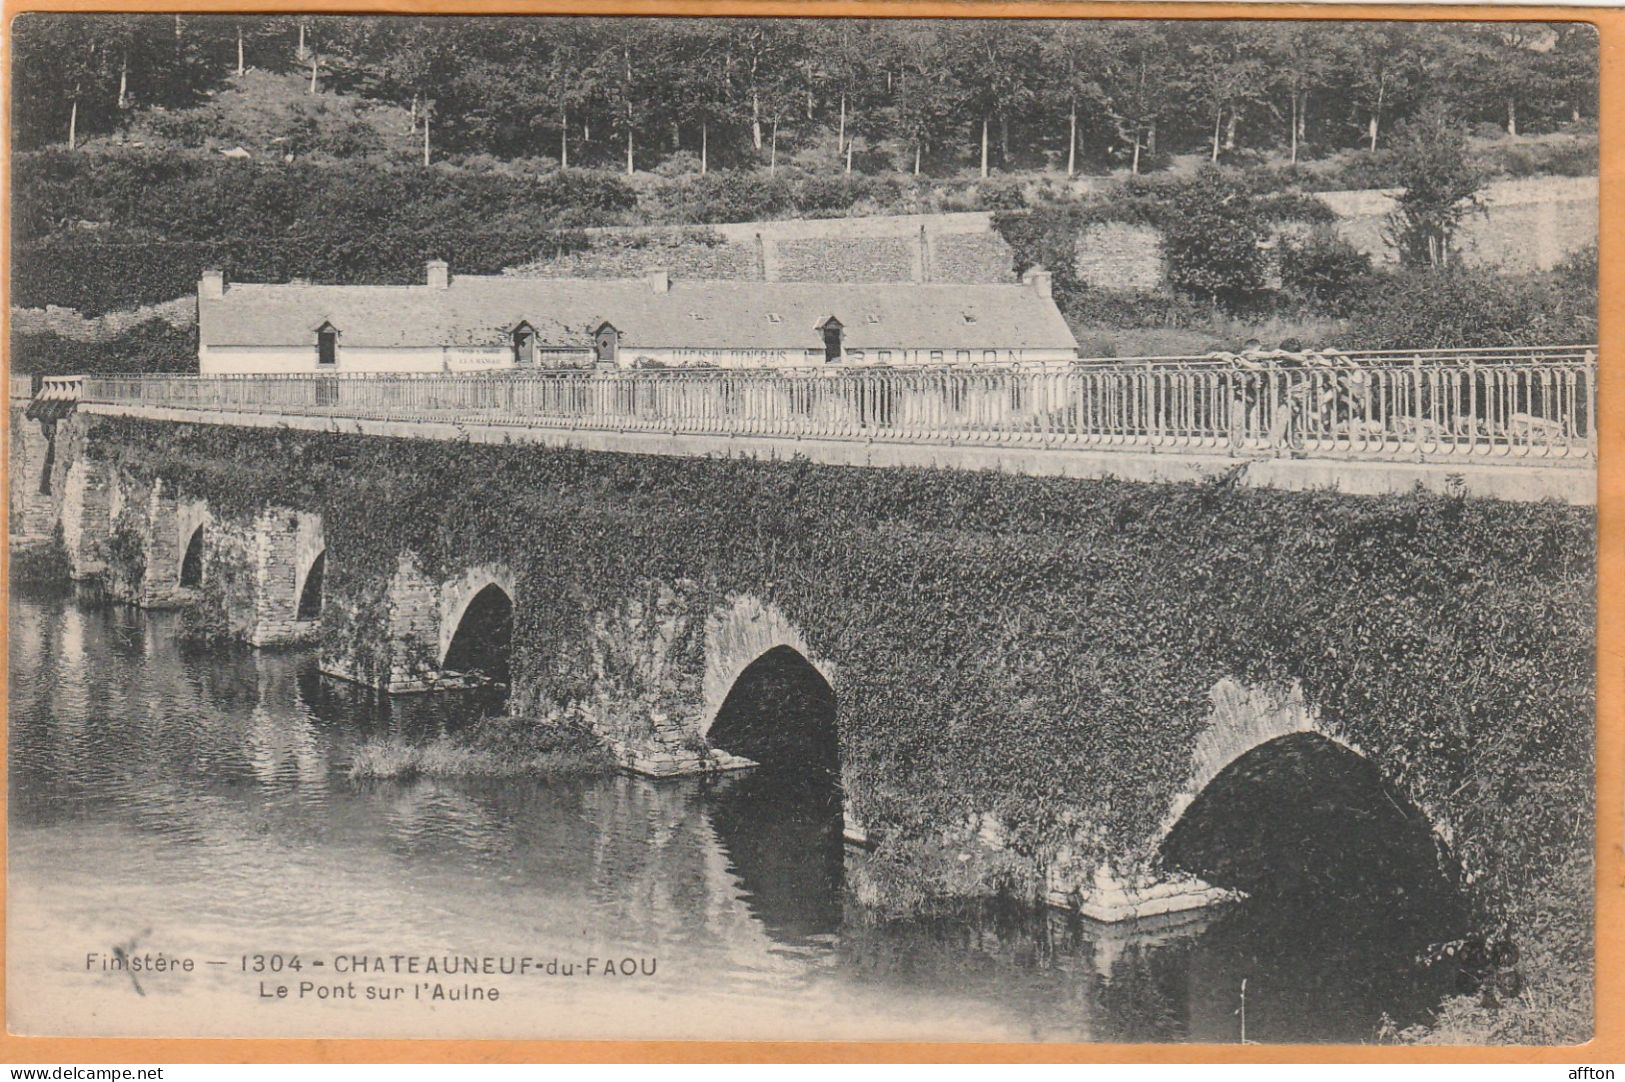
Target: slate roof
point(483, 311)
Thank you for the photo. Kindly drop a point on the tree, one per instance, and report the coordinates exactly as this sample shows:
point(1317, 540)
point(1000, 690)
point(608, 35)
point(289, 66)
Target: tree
point(1571, 69)
point(567, 77)
point(849, 50)
point(421, 61)
point(1137, 93)
point(1076, 53)
point(1440, 187)
point(1302, 59)
point(1486, 69)
point(1383, 67)
point(1226, 74)
point(926, 94)
point(993, 64)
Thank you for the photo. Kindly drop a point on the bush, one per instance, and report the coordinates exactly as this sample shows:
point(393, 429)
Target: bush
point(44, 564)
point(821, 193)
point(153, 346)
point(496, 746)
point(1212, 236)
point(1324, 272)
point(732, 196)
point(1046, 236)
point(1122, 309)
point(1460, 307)
point(1002, 194)
point(679, 163)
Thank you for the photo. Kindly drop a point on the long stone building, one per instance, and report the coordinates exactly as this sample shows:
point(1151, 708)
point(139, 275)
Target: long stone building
point(478, 323)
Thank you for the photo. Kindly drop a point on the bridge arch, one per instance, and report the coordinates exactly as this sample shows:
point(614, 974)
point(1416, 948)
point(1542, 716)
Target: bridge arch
point(1243, 719)
point(741, 634)
point(457, 594)
point(476, 627)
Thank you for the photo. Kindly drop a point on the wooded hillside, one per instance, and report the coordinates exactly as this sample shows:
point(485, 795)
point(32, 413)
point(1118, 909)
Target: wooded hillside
point(861, 95)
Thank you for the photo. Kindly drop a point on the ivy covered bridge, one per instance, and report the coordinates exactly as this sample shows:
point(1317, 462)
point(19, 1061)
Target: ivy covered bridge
point(1029, 662)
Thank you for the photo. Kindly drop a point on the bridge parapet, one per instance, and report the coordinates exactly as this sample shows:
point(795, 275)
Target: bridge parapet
point(1527, 405)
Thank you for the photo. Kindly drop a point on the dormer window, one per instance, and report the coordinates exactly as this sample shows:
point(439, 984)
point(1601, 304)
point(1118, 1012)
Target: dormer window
point(831, 330)
point(773, 317)
point(872, 318)
point(327, 345)
point(606, 342)
point(524, 344)
point(969, 318)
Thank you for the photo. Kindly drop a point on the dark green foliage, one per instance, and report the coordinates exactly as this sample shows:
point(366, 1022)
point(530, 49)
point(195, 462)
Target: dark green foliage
point(205, 625)
point(1324, 272)
point(826, 194)
point(44, 564)
point(781, 90)
point(1213, 226)
point(731, 196)
point(1116, 308)
point(1213, 234)
point(174, 216)
point(1456, 307)
point(492, 746)
point(1046, 236)
point(1004, 194)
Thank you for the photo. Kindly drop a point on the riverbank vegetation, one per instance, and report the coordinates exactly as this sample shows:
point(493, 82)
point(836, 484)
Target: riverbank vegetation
point(490, 747)
point(43, 564)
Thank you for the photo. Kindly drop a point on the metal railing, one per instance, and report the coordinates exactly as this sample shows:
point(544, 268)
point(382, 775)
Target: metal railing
point(1498, 405)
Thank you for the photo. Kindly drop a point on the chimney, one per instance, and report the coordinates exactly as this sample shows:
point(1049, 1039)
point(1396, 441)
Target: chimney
point(1040, 279)
point(659, 280)
point(437, 274)
point(212, 285)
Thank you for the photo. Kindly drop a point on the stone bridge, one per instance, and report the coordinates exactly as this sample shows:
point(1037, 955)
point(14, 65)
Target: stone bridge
point(652, 660)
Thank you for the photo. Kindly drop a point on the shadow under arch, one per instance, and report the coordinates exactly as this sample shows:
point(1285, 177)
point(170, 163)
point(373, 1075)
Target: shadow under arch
point(483, 640)
point(1347, 887)
point(780, 822)
point(1303, 815)
point(191, 573)
point(312, 591)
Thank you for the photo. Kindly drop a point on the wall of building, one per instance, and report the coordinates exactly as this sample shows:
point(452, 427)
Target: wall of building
point(242, 360)
point(787, 358)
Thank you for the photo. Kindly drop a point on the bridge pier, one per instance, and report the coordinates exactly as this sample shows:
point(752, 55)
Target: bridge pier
point(259, 574)
point(87, 516)
point(33, 506)
point(146, 551)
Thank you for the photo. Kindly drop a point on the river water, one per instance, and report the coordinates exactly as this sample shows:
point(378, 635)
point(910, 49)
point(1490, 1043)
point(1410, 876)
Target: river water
point(197, 805)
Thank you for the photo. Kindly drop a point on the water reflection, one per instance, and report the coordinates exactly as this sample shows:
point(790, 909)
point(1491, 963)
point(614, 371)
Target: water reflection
point(201, 800)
